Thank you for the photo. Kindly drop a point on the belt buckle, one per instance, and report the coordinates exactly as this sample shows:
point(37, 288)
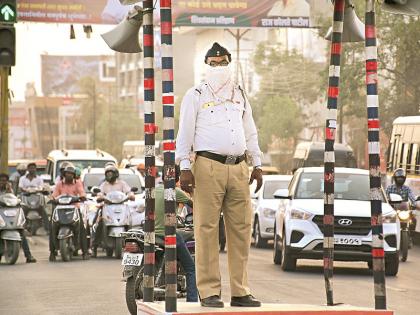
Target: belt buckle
point(230, 160)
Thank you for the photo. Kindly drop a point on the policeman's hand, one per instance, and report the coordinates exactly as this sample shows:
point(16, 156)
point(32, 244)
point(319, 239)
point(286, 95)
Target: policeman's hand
point(256, 175)
point(187, 181)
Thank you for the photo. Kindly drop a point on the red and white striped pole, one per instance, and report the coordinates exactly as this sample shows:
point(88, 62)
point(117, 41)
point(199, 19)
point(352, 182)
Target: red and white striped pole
point(169, 155)
point(378, 260)
point(329, 155)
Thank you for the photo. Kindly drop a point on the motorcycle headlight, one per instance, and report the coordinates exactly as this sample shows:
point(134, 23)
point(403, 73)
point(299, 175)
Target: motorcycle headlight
point(75, 215)
point(55, 216)
point(269, 213)
point(404, 215)
point(300, 215)
point(2, 222)
point(389, 217)
point(21, 219)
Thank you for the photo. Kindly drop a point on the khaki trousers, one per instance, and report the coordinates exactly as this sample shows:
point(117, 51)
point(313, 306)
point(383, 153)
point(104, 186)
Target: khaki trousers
point(220, 187)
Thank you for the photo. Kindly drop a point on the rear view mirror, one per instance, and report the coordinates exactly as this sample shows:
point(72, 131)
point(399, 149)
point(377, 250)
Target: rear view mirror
point(189, 219)
point(95, 190)
point(281, 194)
point(134, 189)
point(395, 198)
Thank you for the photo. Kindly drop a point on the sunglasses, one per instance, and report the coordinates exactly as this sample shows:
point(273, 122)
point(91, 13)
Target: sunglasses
point(222, 63)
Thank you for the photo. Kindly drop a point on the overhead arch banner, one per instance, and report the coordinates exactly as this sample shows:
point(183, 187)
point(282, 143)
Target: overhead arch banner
point(204, 13)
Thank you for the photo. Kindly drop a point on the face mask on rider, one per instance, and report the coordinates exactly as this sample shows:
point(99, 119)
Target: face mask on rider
point(400, 181)
point(218, 76)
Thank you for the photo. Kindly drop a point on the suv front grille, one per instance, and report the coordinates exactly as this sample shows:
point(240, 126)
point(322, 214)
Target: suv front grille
point(359, 226)
point(362, 248)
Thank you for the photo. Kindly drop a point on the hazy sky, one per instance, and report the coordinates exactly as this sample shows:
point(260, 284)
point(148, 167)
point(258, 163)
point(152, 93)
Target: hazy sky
point(34, 39)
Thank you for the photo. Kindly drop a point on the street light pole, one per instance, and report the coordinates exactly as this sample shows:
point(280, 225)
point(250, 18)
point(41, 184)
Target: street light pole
point(4, 119)
point(237, 37)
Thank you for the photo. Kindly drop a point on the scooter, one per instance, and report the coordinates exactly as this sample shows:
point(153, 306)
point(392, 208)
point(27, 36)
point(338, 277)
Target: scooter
point(117, 218)
point(67, 221)
point(405, 217)
point(133, 262)
point(12, 220)
point(33, 202)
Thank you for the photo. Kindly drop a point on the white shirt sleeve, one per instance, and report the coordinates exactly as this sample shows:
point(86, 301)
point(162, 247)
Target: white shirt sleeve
point(251, 135)
point(186, 131)
point(39, 182)
point(21, 185)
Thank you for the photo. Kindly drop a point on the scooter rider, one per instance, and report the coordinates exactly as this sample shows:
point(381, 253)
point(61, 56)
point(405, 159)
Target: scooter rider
point(183, 254)
point(111, 183)
point(399, 188)
point(69, 186)
point(15, 177)
point(32, 180)
point(60, 176)
point(6, 188)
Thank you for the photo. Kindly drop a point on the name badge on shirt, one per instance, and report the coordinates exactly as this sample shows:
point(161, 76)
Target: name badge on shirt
point(207, 105)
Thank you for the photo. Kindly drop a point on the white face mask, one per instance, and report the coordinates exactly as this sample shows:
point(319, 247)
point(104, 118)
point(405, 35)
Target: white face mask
point(218, 76)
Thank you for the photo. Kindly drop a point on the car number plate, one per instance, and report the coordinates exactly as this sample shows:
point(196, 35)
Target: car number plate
point(130, 259)
point(347, 241)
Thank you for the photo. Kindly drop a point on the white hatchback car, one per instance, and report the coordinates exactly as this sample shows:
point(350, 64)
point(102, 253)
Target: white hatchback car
point(299, 220)
point(264, 207)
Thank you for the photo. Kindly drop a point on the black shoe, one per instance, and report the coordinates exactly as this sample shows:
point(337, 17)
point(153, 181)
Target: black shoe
point(52, 257)
point(212, 301)
point(246, 301)
point(30, 260)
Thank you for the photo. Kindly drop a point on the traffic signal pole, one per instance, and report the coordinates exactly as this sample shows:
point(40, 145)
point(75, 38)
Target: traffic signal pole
point(4, 119)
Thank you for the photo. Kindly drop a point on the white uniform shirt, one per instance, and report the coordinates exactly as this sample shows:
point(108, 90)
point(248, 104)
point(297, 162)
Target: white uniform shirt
point(222, 125)
point(25, 182)
point(119, 185)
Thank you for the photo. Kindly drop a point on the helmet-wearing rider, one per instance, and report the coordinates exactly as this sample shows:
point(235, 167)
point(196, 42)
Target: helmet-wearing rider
point(15, 177)
point(63, 165)
point(111, 183)
point(399, 188)
point(72, 187)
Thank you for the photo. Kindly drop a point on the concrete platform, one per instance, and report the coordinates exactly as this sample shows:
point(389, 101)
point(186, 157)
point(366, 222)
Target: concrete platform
point(158, 308)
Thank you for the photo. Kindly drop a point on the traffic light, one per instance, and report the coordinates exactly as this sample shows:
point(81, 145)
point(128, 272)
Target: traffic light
point(8, 11)
point(7, 32)
point(7, 45)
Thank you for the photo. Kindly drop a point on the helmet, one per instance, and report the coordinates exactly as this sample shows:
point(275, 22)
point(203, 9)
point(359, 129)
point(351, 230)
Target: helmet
point(399, 176)
point(70, 169)
point(112, 168)
point(399, 172)
point(64, 164)
point(21, 167)
point(78, 171)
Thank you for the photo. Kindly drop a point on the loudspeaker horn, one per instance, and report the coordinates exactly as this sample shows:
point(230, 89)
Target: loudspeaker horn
point(353, 28)
point(125, 36)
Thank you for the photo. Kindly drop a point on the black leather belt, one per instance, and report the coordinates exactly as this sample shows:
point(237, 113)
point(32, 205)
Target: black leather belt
point(225, 159)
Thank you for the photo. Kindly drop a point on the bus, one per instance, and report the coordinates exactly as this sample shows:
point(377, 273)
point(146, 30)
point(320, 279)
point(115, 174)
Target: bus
point(404, 150)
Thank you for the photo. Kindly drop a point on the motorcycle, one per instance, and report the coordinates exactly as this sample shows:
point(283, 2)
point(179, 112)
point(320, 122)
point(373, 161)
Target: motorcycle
point(67, 220)
point(33, 202)
point(12, 220)
point(133, 262)
point(405, 217)
point(117, 219)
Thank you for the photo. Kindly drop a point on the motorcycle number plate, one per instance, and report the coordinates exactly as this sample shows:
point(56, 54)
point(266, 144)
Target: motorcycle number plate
point(10, 213)
point(347, 241)
point(130, 259)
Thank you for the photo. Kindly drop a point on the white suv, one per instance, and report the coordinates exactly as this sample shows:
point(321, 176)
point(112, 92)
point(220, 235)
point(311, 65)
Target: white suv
point(265, 206)
point(299, 220)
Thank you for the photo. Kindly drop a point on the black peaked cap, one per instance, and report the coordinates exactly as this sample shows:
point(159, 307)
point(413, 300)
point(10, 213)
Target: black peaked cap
point(216, 51)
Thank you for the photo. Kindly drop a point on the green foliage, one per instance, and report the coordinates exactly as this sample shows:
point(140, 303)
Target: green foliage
point(280, 118)
point(110, 122)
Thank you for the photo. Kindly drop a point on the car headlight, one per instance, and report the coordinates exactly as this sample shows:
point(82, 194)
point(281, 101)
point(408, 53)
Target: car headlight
point(2, 222)
point(269, 213)
point(389, 217)
point(404, 215)
point(300, 214)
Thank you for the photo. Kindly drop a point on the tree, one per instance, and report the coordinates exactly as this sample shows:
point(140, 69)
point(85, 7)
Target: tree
point(281, 119)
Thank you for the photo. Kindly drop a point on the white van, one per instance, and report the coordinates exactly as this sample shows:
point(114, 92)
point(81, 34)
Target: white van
point(80, 158)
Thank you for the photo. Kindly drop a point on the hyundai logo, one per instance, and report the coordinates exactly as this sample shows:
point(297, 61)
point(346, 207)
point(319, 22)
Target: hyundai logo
point(345, 222)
